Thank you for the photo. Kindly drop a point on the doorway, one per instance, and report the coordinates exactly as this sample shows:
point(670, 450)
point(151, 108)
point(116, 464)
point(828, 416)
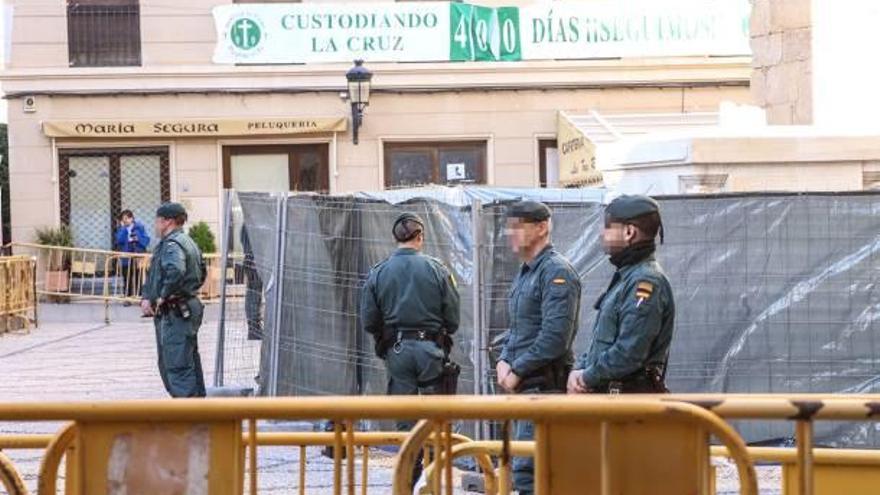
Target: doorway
point(96, 184)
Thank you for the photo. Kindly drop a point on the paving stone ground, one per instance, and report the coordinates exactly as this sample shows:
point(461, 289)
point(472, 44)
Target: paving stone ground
point(74, 356)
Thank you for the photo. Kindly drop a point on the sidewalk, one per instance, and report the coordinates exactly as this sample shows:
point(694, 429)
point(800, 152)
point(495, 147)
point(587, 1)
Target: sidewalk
point(74, 356)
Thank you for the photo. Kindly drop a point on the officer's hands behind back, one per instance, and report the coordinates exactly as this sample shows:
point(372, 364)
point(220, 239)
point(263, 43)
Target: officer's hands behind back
point(576, 384)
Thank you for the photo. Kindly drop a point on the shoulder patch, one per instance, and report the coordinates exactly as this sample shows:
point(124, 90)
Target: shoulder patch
point(559, 281)
point(452, 280)
point(644, 290)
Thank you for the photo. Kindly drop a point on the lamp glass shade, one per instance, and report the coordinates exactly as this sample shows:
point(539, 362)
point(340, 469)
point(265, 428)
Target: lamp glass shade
point(359, 83)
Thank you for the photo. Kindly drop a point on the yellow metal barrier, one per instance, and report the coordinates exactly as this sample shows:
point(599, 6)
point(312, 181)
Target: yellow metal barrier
point(9, 477)
point(361, 440)
point(18, 300)
point(834, 471)
point(66, 273)
point(825, 471)
point(112, 440)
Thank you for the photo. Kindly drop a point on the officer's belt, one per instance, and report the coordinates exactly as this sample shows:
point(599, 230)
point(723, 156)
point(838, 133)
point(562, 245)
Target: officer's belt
point(410, 334)
point(650, 379)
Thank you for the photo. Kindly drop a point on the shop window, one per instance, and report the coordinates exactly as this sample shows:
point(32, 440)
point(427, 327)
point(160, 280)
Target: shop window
point(449, 163)
point(103, 33)
point(548, 162)
point(281, 168)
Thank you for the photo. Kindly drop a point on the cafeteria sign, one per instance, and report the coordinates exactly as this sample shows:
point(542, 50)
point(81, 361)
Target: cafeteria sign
point(577, 155)
point(297, 33)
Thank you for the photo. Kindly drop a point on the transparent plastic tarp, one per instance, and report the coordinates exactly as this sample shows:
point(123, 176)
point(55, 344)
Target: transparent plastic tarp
point(774, 292)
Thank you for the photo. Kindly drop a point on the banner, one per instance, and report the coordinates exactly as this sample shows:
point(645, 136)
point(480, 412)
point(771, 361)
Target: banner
point(192, 127)
point(300, 33)
point(577, 155)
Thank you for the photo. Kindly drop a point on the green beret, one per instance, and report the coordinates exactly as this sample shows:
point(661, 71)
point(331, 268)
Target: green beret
point(628, 207)
point(529, 211)
point(171, 210)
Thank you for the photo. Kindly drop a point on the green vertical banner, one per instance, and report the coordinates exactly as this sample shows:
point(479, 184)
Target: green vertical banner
point(483, 29)
point(509, 44)
point(483, 33)
point(461, 46)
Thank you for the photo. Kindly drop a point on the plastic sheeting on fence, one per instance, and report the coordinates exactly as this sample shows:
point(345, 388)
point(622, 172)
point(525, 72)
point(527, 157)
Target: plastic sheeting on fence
point(774, 292)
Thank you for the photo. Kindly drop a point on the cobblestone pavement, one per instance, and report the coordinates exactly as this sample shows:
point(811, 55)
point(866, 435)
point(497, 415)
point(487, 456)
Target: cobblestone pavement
point(75, 357)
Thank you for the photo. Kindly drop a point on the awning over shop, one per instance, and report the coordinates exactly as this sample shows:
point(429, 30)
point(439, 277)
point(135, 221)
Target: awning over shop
point(193, 127)
point(616, 136)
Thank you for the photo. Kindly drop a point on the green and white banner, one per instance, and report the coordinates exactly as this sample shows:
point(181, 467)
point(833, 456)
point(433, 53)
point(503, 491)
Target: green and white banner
point(302, 33)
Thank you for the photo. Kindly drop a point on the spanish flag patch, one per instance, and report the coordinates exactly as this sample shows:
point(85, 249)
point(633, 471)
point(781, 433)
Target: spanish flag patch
point(559, 281)
point(644, 291)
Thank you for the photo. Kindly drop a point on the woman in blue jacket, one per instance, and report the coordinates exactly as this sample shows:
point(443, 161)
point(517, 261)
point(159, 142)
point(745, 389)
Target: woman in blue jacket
point(131, 237)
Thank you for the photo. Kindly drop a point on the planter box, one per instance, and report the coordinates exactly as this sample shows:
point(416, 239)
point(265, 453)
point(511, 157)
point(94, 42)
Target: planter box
point(211, 289)
point(57, 281)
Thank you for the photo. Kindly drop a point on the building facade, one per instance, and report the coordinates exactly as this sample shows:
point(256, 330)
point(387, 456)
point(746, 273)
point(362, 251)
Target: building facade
point(123, 104)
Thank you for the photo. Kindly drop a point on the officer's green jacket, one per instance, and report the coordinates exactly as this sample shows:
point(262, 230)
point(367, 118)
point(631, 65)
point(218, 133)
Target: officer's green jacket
point(634, 326)
point(543, 306)
point(409, 291)
point(172, 272)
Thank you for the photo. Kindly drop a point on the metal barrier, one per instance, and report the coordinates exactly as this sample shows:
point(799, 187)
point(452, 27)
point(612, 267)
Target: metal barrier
point(202, 440)
point(834, 471)
point(18, 299)
point(362, 440)
point(67, 273)
point(591, 437)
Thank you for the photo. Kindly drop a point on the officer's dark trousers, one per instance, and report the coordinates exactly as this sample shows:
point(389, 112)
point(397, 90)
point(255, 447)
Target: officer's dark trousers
point(179, 362)
point(414, 368)
point(524, 467)
point(253, 302)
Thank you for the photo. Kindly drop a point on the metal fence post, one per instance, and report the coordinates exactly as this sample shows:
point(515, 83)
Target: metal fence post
point(479, 347)
point(278, 296)
point(226, 226)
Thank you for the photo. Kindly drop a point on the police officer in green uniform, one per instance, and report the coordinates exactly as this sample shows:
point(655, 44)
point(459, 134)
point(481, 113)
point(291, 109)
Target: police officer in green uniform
point(176, 273)
point(543, 307)
point(410, 305)
point(630, 344)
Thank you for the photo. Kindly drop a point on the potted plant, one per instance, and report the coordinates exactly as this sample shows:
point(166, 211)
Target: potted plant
point(205, 240)
point(57, 260)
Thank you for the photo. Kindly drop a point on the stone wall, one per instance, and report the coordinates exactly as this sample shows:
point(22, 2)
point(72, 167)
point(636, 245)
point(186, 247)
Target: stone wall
point(781, 38)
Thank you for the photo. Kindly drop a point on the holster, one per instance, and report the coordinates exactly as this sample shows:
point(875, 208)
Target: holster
point(449, 377)
point(650, 380)
point(553, 377)
point(382, 343)
point(179, 305)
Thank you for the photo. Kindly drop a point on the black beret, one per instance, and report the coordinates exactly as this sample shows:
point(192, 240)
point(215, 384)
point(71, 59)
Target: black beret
point(529, 211)
point(627, 207)
point(170, 210)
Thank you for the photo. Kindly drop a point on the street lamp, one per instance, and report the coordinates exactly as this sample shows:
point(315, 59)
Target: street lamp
point(358, 93)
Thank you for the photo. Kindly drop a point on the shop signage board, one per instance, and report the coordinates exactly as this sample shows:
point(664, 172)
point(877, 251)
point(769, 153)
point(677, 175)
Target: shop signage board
point(193, 127)
point(577, 155)
point(304, 33)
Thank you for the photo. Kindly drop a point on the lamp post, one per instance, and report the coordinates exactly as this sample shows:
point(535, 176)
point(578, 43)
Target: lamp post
point(358, 93)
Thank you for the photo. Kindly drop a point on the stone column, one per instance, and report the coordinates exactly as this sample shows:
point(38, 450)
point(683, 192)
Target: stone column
point(782, 60)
